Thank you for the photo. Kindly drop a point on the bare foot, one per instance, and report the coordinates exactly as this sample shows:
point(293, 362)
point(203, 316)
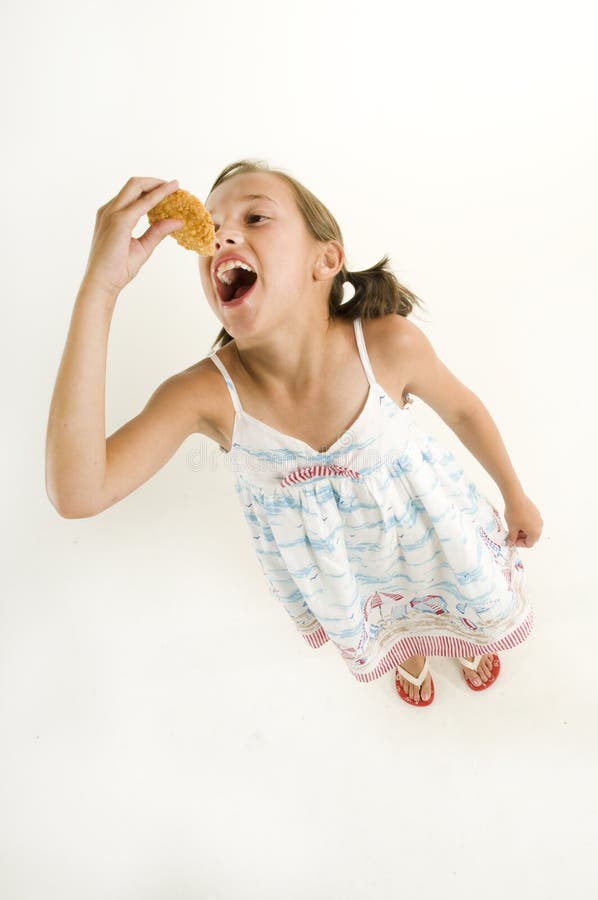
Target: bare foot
point(414, 667)
point(484, 669)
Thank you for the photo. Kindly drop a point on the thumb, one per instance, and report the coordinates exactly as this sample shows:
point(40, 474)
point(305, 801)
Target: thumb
point(167, 226)
point(157, 232)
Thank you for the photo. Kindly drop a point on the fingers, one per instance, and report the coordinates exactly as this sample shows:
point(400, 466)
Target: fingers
point(150, 198)
point(147, 191)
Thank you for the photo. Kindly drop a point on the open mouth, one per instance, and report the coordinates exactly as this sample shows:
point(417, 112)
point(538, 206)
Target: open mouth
point(240, 282)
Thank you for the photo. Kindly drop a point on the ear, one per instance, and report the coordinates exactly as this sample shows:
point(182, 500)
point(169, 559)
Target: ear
point(329, 261)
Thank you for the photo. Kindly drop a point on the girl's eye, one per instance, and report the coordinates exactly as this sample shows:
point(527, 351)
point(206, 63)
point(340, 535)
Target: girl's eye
point(253, 216)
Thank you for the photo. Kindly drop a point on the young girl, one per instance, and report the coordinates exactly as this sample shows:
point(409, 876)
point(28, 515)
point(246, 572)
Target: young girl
point(366, 528)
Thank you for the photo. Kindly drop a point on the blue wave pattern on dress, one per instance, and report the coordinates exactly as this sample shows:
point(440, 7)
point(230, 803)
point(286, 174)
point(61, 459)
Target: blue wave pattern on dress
point(380, 545)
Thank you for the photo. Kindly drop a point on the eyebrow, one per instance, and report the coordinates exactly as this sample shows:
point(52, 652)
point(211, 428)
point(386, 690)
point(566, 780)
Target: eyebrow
point(256, 197)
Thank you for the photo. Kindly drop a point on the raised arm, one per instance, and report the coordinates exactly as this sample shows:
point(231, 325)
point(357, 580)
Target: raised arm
point(78, 474)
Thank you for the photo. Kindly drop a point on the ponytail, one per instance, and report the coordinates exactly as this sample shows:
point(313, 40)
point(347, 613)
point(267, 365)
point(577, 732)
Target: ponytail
point(378, 292)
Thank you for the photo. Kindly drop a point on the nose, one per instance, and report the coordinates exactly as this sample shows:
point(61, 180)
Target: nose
point(226, 235)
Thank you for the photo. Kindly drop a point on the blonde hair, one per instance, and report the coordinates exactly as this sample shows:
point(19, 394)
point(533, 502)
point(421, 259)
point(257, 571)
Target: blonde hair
point(378, 292)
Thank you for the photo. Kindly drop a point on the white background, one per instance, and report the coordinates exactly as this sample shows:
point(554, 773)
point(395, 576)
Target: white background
point(164, 732)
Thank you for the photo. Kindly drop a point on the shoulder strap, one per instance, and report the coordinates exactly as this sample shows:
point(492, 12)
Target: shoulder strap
point(365, 360)
point(229, 382)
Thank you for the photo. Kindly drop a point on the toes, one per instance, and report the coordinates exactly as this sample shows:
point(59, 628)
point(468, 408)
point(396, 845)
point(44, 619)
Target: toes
point(412, 691)
point(487, 667)
point(473, 676)
point(484, 671)
point(470, 674)
point(426, 688)
point(407, 687)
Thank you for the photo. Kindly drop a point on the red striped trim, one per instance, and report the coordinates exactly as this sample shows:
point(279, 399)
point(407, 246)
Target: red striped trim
point(316, 638)
point(308, 472)
point(427, 645)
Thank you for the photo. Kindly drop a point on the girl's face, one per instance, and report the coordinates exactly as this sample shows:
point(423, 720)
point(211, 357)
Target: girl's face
point(269, 233)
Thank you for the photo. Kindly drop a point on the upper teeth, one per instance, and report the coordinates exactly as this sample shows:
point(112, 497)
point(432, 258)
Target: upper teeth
point(231, 264)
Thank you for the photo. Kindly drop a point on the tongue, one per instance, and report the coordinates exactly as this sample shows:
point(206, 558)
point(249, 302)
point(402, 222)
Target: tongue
point(242, 289)
point(242, 281)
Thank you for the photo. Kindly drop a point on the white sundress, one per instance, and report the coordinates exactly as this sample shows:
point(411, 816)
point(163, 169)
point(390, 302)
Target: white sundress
point(380, 544)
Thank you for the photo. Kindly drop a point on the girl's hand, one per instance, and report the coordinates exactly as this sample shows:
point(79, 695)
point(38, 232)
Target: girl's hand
point(523, 521)
point(115, 256)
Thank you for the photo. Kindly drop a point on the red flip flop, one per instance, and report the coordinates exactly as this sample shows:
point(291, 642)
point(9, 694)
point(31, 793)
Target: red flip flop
point(474, 665)
point(417, 682)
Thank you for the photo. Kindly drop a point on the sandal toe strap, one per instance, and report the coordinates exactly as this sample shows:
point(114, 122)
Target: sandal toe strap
point(420, 678)
point(470, 665)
